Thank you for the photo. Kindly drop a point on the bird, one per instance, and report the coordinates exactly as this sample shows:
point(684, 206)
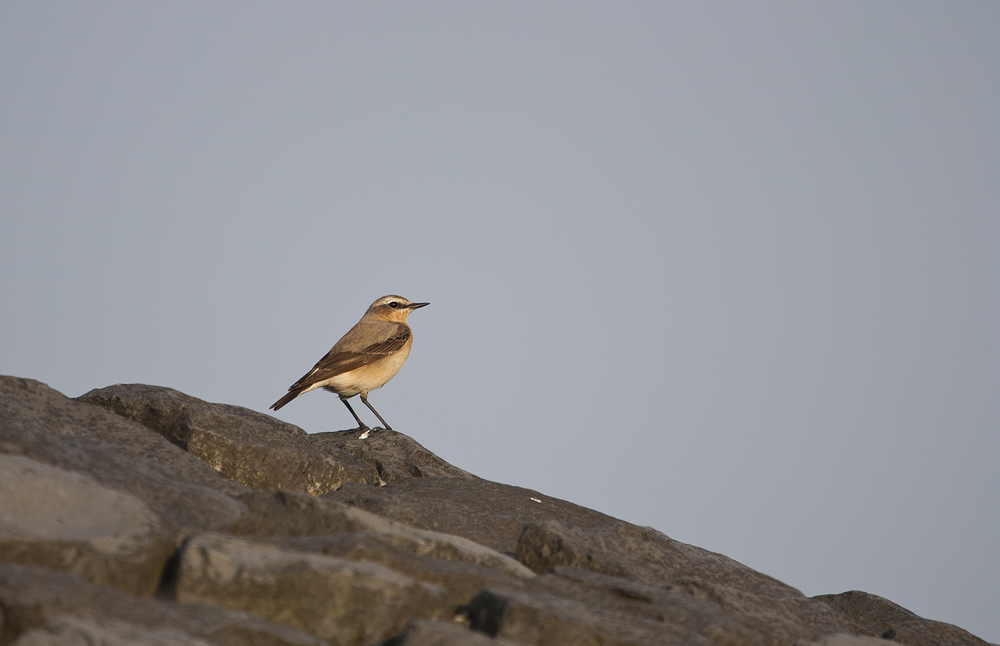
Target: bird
point(366, 358)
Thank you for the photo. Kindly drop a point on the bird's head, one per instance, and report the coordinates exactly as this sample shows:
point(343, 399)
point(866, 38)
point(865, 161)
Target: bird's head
point(392, 308)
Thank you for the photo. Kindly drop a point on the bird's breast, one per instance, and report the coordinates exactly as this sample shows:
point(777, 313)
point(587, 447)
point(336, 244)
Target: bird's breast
point(369, 376)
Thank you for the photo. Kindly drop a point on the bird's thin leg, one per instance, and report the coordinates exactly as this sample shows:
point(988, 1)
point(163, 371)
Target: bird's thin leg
point(372, 408)
point(361, 425)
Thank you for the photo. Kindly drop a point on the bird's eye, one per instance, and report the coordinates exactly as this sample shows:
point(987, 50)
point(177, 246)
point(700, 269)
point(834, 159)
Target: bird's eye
point(394, 305)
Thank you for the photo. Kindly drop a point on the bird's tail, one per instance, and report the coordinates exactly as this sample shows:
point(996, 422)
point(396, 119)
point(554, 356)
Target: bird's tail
point(292, 394)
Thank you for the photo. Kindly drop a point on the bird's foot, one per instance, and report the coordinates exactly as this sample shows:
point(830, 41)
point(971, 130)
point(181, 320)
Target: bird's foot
point(369, 431)
point(363, 429)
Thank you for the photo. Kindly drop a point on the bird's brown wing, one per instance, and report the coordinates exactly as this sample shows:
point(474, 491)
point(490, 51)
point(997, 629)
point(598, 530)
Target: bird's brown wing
point(337, 362)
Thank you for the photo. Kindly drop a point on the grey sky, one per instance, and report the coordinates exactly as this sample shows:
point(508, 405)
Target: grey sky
point(728, 270)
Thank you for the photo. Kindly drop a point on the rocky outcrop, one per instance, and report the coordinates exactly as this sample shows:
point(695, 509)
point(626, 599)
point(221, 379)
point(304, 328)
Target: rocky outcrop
point(143, 515)
point(44, 605)
point(262, 452)
point(882, 617)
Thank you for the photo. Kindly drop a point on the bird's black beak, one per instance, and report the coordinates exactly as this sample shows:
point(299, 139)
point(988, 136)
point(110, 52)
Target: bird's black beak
point(416, 306)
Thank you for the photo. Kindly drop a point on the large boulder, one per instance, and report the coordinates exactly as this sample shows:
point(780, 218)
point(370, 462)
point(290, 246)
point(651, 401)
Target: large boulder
point(263, 452)
point(68, 521)
point(192, 522)
point(340, 600)
point(46, 426)
point(47, 607)
point(544, 533)
point(882, 617)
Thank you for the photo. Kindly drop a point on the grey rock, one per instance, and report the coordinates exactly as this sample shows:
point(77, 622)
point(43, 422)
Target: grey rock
point(290, 513)
point(32, 406)
point(43, 424)
point(39, 600)
point(343, 601)
point(280, 513)
point(488, 513)
point(402, 546)
point(544, 533)
point(393, 455)
point(842, 639)
point(460, 580)
point(645, 555)
point(70, 631)
point(242, 445)
point(540, 618)
point(885, 619)
point(440, 633)
point(68, 521)
point(432, 544)
point(629, 600)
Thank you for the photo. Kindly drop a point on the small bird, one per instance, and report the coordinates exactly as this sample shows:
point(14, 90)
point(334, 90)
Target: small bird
point(364, 359)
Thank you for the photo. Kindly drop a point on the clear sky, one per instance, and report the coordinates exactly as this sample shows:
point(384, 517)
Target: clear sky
point(730, 270)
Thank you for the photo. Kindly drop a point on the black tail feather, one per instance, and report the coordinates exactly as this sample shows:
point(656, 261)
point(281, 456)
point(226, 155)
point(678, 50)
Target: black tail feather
point(292, 394)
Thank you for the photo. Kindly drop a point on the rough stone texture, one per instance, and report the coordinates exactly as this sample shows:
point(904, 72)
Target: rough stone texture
point(635, 603)
point(293, 514)
point(488, 513)
point(67, 521)
point(642, 554)
point(40, 423)
point(36, 599)
point(553, 532)
point(343, 601)
point(569, 606)
point(460, 580)
point(842, 639)
point(408, 551)
point(243, 445)
point(538, 618)
point(393, 455)
point(70, 631)
point(439, 633)
point(884, 618)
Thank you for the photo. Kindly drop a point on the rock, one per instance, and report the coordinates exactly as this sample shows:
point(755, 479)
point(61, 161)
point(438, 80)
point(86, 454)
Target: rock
point(320, 525)
point(842, 639)
point(569, 606)
point(70, 631)
point(488, 513)
point(288, 514)
point(343, 601)
point(628, 601)
point(439, 633)
point(280, 513)
point(645, 555)
point(32, 406)
point(68, 521)
point(460, 580)
point(239, 442)
point(402, 546)
point(457, 565)
point(884, 618)
point(46, 426)
point(35, 599)
point(243, 445)
point(539, 618)
point(421, 542)
point(393, 455)
point(551, 532)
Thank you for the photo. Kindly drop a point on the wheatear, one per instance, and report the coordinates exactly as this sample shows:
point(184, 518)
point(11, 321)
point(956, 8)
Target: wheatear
point(366, 358)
